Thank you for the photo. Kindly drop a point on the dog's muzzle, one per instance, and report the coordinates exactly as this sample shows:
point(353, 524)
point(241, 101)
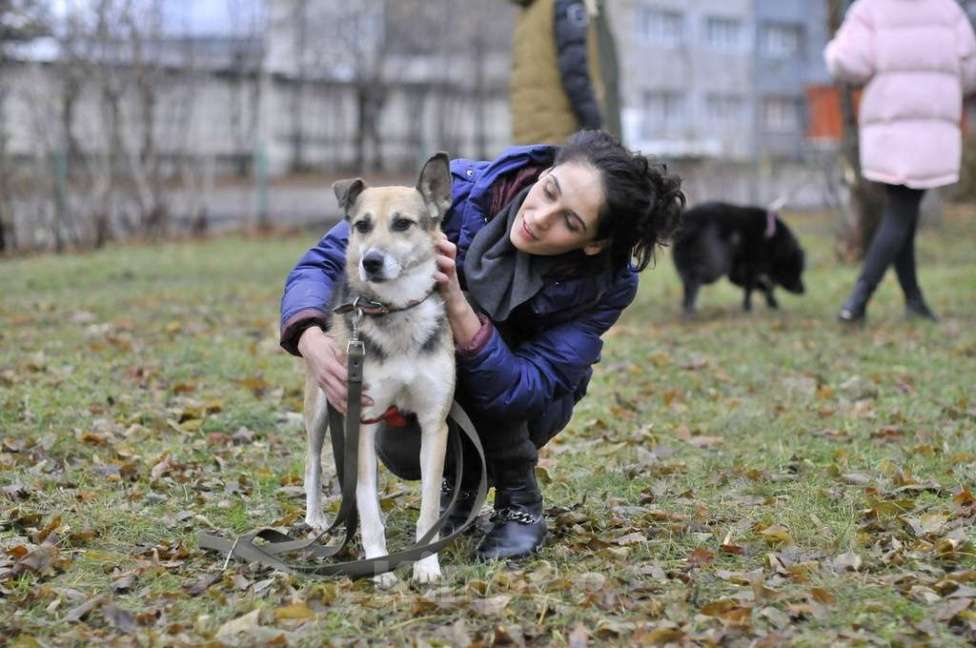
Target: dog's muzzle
point(373, 263)
point(796, 288)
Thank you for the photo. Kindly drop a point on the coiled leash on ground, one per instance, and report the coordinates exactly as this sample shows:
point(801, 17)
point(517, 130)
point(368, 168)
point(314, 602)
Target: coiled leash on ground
point(345, 452)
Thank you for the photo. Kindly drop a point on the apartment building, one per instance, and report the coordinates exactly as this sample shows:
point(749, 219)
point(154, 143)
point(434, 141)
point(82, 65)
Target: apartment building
point(719, 78)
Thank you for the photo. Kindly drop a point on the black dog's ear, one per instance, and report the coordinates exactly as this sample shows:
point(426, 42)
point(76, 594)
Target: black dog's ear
point(435, 184)
point(347, 191)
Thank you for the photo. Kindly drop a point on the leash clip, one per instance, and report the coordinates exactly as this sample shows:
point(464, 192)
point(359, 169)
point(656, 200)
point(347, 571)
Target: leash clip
point(356, 318)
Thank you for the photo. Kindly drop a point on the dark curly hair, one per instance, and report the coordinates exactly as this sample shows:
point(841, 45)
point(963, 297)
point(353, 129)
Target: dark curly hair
point(643, 202)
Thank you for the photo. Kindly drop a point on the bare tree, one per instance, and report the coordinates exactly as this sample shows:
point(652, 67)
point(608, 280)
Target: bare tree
point(245, 74)
point(21, 21)
point(368, 25)
point(144, 34)
point(866, 200)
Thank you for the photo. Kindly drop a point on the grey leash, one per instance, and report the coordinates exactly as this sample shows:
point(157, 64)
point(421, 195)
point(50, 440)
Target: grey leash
point(345, 452)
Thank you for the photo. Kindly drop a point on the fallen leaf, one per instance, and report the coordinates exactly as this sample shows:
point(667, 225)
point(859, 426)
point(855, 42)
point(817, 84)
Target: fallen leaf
point(964, 498)
point(247, 624)
point(591, 581)
point(659, 637)
point(77, 614)
point(856, 479)
point(579, 637)
point(924, 594)
point(927, 524)
point(202, 584)
point(821, 595)
point(777, 534)
point(298, 610)
point(459, 634)
point(123, 583)
point(775, 616)
point(40, 560)
point(700, 556)
point(493, 606)
point(122, 620)
point(849, 561)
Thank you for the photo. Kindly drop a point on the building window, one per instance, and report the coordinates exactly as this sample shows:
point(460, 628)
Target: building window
point(724, 108)
point(782, 114)
point(660, 26)
point(782, 41)
point(723, 33)
point(664, 111)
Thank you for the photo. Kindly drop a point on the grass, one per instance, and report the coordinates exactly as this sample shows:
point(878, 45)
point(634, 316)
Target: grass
point(742, 477)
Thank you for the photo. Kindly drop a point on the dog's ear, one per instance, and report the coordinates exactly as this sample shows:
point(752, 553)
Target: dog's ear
point(347, 191)
point(435, 185)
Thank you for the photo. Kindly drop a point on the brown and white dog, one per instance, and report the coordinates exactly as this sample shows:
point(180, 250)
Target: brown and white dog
point(409, 363)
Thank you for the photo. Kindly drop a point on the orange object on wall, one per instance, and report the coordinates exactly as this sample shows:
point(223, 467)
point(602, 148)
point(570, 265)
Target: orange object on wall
point(825, 119)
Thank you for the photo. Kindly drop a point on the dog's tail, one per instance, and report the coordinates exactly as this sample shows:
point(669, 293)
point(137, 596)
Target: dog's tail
point(772, 213)
point(778, 203)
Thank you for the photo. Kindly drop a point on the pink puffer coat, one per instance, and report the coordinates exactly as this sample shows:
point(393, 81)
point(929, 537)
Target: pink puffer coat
point(917, 59)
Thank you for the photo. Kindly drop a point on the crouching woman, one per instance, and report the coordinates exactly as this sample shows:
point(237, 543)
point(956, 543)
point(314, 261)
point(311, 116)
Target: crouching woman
point(541, 253)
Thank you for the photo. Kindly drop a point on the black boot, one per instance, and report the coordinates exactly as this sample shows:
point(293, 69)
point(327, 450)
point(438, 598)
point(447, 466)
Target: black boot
point(915, 307)
point(853, 310)
point(462, 507)
point(518, 524)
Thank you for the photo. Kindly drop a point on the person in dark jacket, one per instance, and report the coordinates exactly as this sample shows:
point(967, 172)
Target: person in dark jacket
point(564, 71)
point(540, 255)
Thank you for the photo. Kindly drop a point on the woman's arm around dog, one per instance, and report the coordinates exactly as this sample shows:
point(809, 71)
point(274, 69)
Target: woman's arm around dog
point(520, 382)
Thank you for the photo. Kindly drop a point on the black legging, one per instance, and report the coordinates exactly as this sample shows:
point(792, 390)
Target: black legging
point(895, 241)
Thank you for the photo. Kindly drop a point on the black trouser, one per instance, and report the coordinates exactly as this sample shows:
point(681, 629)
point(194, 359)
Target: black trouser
point(894, 242)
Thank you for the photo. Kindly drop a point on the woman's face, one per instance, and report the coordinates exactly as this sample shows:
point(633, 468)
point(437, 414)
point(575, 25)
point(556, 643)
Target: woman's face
point(561, 212)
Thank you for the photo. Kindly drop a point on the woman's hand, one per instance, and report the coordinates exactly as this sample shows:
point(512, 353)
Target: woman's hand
point(446, 273)
point(326, 363)
point(464, 321)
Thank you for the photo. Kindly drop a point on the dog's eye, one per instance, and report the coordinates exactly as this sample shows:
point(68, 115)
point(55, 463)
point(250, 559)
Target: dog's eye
point(401, 225)
point(363, 226)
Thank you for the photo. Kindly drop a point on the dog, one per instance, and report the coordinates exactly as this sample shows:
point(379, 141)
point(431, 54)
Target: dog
point(752, 246)
point(409, 362)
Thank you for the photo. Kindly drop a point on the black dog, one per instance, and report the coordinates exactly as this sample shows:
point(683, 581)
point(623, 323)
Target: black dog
point(750, 245)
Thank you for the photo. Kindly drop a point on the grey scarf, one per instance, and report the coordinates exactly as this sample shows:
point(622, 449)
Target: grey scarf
point(499, 276)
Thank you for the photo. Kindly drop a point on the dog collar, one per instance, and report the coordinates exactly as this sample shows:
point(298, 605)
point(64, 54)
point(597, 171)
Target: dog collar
point(376, 308)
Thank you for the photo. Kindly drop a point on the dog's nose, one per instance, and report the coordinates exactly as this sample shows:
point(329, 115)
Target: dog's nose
point(373, 262)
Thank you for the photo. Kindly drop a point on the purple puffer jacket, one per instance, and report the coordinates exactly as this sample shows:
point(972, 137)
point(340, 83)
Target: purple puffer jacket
point(537, 379)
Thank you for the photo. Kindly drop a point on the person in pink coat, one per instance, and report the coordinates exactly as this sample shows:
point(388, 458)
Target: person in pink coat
point(916, 60)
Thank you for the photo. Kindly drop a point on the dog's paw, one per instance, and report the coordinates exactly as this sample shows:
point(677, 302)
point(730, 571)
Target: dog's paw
point(317, 521)
point(425, 573)
point(385, 580)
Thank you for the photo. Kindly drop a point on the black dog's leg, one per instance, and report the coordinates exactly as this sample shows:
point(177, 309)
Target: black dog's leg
point(767, 287)
point(747, 296)
point(690, 297)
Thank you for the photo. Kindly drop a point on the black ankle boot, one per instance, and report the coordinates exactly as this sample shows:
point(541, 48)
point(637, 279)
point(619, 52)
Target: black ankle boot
point(853, 310)
point(462, 507)
point(915, 307)
point(518, 524)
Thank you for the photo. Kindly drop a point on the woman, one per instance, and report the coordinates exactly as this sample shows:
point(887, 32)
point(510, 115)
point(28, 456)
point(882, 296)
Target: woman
point(917, 59)
point(541, 253)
